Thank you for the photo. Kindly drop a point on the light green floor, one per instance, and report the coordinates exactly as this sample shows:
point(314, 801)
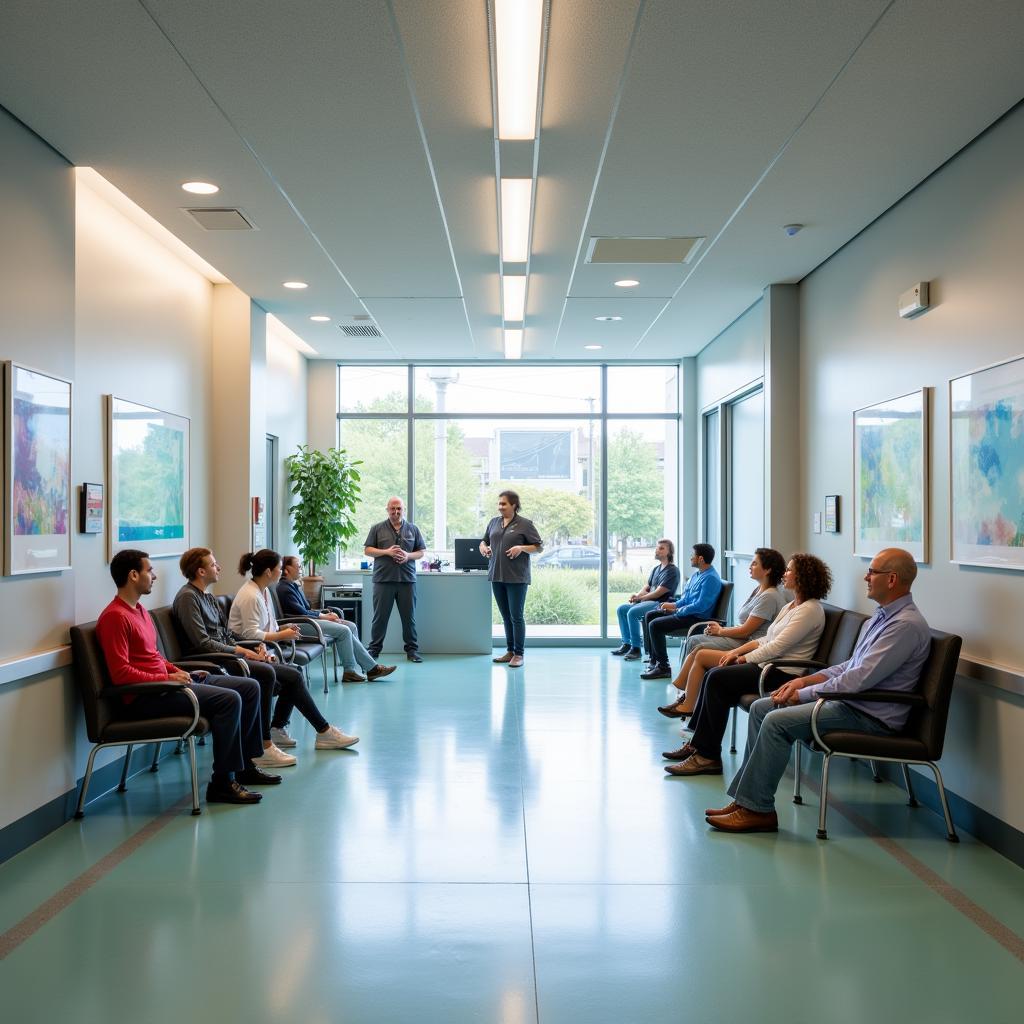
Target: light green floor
point(504, 846)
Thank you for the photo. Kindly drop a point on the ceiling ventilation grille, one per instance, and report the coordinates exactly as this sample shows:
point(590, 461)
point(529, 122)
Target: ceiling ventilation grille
point(360, 332)
point(642, 250)
point(220, 218)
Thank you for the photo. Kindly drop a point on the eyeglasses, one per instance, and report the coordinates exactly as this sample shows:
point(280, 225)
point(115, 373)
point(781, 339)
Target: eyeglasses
point(878, 572)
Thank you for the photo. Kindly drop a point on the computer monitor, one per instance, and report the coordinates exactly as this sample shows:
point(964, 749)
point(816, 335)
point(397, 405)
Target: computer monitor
point(467, 554)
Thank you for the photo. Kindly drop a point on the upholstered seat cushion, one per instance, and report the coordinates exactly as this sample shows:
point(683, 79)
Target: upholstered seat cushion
point(141, 730)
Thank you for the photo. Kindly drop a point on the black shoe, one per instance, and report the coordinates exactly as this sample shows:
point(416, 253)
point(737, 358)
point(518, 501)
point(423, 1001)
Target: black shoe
point(624, 649)
point(672, 711)
point(231, 793)
point(256, 776)
point(681, 754)
point(658, 672)
point(413, 656)
point(634, 654)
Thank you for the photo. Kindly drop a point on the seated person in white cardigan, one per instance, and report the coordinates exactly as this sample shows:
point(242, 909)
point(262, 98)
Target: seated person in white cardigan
point(354, 656)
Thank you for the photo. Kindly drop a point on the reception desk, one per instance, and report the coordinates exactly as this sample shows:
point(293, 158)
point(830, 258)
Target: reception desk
point(453, 610)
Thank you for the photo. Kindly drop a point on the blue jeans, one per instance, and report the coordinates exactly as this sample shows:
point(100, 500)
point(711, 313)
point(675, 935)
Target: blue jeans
point(354, 655)
point(631, 621)
point(772, 731)
point(511, 600)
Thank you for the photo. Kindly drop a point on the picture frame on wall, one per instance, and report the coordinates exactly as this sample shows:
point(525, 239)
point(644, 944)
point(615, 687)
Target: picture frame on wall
point(890, 476)
point(90, 509)
point(986, 472)
point(148, 476)
point(832, 513)
point(37, 471)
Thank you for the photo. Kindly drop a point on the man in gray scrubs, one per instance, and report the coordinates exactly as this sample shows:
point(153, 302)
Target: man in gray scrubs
point(394, 545)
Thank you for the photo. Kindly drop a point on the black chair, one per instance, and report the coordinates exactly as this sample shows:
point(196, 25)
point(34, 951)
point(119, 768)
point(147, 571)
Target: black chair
point(719, 615)
point(921, 740)
point(836, 643)
point(173, 644)
point(301, 620)
point(291, 652)
point(105, 724)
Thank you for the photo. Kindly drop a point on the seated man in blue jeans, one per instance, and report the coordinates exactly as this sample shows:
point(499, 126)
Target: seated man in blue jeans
point(354, 656)
point(696, 604)
point(890, 653)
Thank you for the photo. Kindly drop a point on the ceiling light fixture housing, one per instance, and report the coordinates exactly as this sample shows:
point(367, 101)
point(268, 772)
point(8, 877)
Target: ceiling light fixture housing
point(320, 319)
point(518, 32)
point(516, 201)
point(627, 282)
point(296, 285)
point(514, 343)
point(608, 319)
point(200, 188)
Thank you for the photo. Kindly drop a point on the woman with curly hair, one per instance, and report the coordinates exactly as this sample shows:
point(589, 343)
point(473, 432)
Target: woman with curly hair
point(756, 614)
point(794, 634)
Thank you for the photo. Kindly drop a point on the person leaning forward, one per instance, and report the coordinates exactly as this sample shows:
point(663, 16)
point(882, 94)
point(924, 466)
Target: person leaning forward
point(394, 545)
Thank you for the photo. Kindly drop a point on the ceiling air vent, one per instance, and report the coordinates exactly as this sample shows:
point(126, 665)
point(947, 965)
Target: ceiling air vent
point(642, 250)
point(223, 218)
point(361, 331)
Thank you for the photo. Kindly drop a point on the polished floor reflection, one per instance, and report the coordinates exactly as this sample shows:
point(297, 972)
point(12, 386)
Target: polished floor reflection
point(503, 846)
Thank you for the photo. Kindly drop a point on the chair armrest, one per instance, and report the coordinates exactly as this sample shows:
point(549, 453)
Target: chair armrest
point(232, 661)
point(701, 625)
point(804, 663)
point(141, 689)
point(201, 665)
point(305, 620)
point(271, 645)
point(881, 697)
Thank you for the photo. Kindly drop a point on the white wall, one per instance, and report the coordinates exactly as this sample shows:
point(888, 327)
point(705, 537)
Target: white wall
point(962, 231)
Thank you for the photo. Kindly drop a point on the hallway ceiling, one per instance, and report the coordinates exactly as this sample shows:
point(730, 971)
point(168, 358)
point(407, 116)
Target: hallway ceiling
point(357, 137)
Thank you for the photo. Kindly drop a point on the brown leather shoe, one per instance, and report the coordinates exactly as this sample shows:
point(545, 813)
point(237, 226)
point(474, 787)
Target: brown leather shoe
point(745, 820)
point(673, 711)
point(352, 677)
point(380, 670)
point(713, 812)
point(504, 659)
point(681, 754)
point(695, 765)
point(516, 661)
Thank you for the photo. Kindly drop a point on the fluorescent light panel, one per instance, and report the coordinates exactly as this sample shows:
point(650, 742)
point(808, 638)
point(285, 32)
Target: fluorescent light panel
point(513, 298)
point(514, 344)
point(517, 37)
point(516, 197)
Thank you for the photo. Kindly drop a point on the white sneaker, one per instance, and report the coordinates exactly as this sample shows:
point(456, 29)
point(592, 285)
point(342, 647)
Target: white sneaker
point(280, 737)
point(274, 757)
point(334, 739)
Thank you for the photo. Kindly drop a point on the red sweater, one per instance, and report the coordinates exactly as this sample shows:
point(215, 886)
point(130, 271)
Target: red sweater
point(128, 639)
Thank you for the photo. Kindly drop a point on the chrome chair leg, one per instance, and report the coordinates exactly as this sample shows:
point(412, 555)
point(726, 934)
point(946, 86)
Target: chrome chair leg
point(195, 775)
point(798, 766)
point(874, 771)
point(122, 785)
point(323, 666)
point(732, 742)
point(178, 748)
point(823, 806)
point(79, 812)
point(950, 830)
point(155, 766)
point(911, 798)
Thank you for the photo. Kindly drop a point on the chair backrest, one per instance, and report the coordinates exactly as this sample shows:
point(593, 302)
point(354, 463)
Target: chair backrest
point(224, 600)
point(170, 639)
point(833, 616)
point(92, 677)
point(276, 602)
point(845, 632)
point(724, 600)
point(938, 674)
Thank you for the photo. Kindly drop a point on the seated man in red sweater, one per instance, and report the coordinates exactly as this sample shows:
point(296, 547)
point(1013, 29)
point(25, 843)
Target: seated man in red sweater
point(232, 707)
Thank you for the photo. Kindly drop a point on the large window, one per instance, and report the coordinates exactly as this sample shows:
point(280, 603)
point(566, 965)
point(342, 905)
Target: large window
point(449, 438)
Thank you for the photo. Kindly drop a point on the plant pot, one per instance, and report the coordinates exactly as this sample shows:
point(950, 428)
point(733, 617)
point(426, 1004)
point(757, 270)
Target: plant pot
point(311, 586)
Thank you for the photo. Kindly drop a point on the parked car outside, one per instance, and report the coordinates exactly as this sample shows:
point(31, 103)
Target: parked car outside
point(573, 556)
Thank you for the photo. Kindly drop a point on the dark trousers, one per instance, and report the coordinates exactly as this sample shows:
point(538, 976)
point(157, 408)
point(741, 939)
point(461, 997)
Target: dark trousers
point(720, 692)
point(290, 684)
point(232, 707)
point(658, 625)
point(384, 596)
point(511, 601)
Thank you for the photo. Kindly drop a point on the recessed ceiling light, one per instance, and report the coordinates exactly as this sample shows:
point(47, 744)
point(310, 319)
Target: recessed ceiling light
point(514, 343)
point(518, 27)
point(593, 348)
point(320, 319)
point(200, 188)
point(516, 197)
point(513, 290)
point(607, 319)
point(626, 282)
point(296, 284)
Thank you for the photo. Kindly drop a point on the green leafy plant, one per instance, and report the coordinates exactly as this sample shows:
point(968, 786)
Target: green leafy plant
point(326, 486)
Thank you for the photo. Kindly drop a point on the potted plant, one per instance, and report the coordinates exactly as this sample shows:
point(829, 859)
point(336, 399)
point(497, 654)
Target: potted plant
point(326, 488)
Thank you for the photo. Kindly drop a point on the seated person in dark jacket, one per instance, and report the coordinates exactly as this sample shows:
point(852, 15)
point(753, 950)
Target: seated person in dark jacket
point(354, 656)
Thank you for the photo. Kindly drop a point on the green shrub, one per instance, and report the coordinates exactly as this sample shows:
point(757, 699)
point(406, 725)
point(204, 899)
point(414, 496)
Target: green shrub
point(555, 599)
point(624, 581)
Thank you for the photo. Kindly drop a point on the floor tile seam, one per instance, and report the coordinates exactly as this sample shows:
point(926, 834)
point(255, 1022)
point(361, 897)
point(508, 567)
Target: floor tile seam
point(24, 929)
point(955, 897)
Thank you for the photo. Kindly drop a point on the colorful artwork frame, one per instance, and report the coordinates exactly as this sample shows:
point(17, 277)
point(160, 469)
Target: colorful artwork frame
point(148, 475)
point(891, 443)
point(37, 471)
point(986, 466)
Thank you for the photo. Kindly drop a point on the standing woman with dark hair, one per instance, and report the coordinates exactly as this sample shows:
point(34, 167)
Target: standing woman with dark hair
point(252, 618)
point(508, 542)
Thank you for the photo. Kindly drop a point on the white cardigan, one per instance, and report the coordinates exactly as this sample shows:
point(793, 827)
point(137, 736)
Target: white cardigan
point(794, 634)
point(252, 616)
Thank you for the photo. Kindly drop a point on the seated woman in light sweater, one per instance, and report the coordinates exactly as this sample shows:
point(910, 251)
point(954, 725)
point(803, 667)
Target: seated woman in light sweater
point(794, 634)
point(756, 614)
point(252, 618)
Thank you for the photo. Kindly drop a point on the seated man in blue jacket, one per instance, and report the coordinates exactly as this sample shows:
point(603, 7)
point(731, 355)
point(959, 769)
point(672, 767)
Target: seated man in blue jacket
point(696, 604)
point(354, 656)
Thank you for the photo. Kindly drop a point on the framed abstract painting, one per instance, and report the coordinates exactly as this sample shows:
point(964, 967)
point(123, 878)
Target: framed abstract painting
point(986, 473)
point(890, 476)
point(37, 478)
point(148, 475)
